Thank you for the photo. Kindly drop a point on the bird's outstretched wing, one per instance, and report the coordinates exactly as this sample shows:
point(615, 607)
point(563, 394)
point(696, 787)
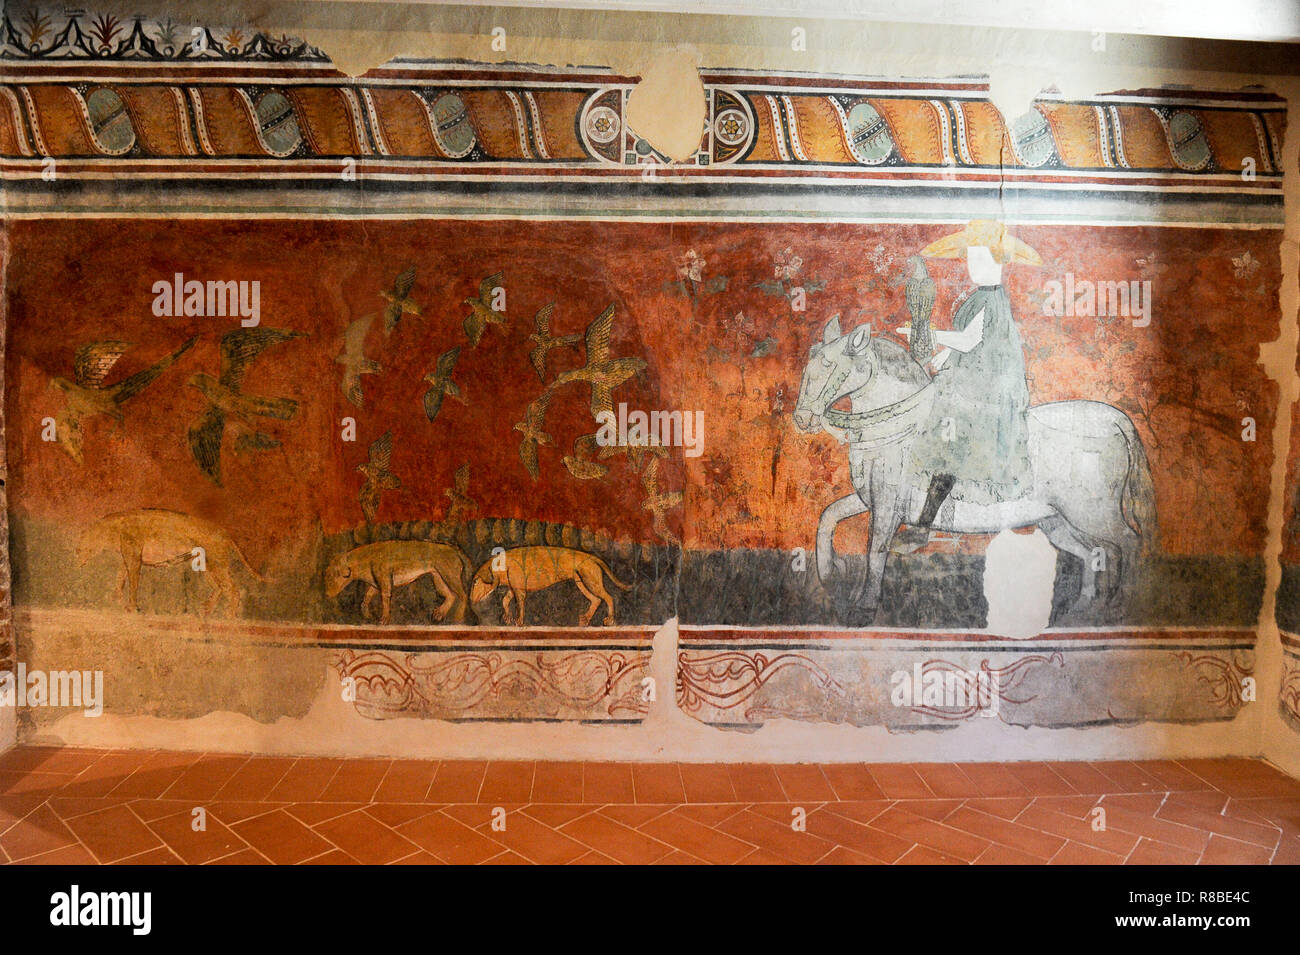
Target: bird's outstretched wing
point(354, 337)
point(381, 451)
point(94, 360)
point(442, 383)
point(487, 286)
point(581, 463)
point(404, 282)
point(461, 478)
point(68, 429)
point(369, 498)
point(541, 335)
point(433, 401)
point(542, 320)
point(650, 478)
point(528, 454)
point(597, 337)
point(132, 385)
point(256, 441)
point(538, 357)
point(657, 503)
point(205, 442)
point(660, 527)
point(352, 389)
point(535, 413)
point(602, 399)
point(447, 362)
point(241, 346)
point(474, 326)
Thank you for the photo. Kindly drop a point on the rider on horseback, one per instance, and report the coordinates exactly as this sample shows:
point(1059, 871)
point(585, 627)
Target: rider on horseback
point(976, 436)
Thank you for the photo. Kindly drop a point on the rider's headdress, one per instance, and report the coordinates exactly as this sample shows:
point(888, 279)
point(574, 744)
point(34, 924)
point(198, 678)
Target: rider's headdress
point(1005, 247)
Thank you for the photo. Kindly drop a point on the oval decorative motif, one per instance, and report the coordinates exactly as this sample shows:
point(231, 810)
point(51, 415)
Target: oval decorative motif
point(279, 123)
point(109, 121)
point(869, 137)
point(1187, 141)
point(1031, 138)
point(452, 127)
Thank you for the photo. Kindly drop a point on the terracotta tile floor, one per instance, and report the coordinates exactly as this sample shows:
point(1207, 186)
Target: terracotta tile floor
point(98, 806)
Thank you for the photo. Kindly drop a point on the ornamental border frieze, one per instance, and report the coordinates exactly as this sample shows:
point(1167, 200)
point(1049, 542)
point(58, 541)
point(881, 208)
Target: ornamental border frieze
point(447, 117)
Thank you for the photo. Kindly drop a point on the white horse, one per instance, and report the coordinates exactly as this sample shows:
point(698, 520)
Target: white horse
point(1091, 490)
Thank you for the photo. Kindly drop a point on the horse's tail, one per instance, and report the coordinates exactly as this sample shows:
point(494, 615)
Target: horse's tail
point(1138, 500)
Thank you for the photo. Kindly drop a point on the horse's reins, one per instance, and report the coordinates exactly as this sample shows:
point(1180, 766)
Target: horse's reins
point(863, 429)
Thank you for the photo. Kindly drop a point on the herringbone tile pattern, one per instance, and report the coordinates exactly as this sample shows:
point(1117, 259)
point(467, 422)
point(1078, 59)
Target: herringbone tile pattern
point(139, 807)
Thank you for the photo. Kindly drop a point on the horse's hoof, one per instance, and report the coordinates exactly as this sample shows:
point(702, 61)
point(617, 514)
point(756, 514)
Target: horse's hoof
point(853, 615)
point(909, 540)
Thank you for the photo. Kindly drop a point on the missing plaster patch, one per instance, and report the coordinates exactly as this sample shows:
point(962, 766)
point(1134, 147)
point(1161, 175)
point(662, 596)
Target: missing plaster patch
point(1019, 572)
point(667, 107)
point(1013, 91)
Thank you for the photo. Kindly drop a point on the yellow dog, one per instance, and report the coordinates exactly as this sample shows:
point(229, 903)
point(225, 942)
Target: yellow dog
point(525, 569)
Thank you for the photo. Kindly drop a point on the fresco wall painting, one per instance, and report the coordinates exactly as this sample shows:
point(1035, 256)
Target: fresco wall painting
point(403, 412)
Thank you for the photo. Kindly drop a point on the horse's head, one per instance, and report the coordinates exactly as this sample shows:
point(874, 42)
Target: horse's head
point(838, 365)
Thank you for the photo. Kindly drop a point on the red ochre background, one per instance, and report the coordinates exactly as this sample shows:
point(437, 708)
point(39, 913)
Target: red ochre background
point(734, 352)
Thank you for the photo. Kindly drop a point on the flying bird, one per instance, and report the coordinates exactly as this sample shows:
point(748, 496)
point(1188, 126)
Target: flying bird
point(601, 372)
point(919, 292)
point(481, 313)
point(87, 395)
point(378, 477)
point(462, 505)
point(581, 464)
point(657, 502)
point(531, 426)
point(399, 299)
point(544, 341)
point(441, 384)
point(635, 452)
point(225, 399)
point(353, 358)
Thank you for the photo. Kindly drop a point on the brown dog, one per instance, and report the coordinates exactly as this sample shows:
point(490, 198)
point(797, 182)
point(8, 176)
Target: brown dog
point(385, 565)
point(152, 537)
point(525, 569)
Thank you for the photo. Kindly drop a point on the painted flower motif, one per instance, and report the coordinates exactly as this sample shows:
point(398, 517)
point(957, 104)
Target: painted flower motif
point(104, 32)
point(1244, 265)
point(787, 265)
point(167, 34)
point(691, 266)
point(776, 399)
point(718, 473)
point(881, 258)
point(738, 325)
point(38, 26)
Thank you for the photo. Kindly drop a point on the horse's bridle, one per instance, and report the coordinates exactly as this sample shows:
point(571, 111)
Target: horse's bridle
point(833, 386)
point(867, 429)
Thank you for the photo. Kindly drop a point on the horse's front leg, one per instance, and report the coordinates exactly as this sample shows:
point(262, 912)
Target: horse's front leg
point(887, 502)
point(828, 565)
